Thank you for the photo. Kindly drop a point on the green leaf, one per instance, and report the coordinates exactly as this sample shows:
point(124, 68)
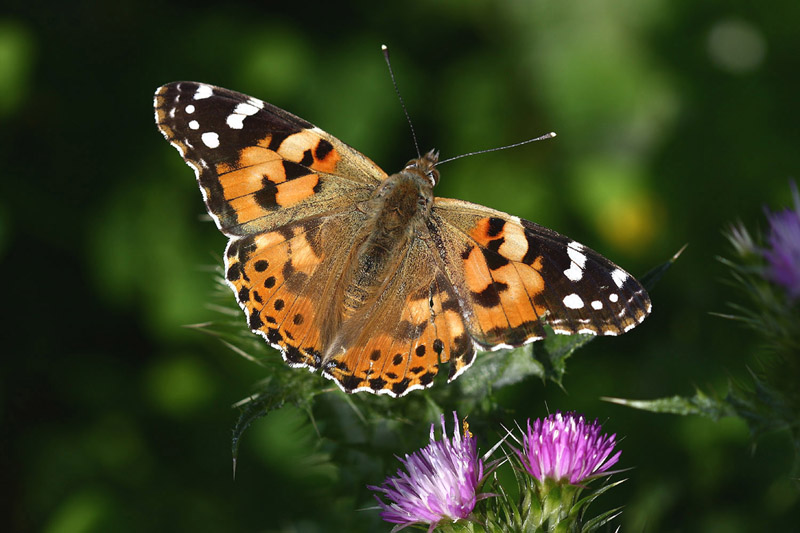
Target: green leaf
point(699, 404)
point(601, 520)
point(653, 276)
point(764, 408)
point(554, 350)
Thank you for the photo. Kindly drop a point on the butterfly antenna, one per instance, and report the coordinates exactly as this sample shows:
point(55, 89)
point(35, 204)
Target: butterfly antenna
point(541, 138)
point(385, 50)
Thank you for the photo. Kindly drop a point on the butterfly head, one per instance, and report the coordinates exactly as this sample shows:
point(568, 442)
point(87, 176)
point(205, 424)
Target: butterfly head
point(425, 166)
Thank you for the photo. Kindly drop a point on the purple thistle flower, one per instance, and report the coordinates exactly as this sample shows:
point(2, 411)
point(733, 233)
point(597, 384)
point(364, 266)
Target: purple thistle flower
point(439, 482)
point(783, 255)
point(565, 447)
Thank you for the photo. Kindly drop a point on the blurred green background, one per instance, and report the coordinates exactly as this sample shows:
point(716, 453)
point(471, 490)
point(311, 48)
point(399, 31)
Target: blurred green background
point(674, 119)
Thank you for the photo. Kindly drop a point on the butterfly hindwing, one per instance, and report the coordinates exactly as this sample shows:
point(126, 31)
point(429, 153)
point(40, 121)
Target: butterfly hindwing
point(514, 275)
point(281, 281)
point(395, 345)
point(259, 167)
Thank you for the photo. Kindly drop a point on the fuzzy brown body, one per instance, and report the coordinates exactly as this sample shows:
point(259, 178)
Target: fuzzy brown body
point(365, 276)
point(396, 214)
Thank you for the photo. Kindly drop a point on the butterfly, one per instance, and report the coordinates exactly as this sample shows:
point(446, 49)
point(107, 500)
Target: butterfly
point(367, 277)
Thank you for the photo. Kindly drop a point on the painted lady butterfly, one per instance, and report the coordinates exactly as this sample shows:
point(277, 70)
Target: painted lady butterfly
point(368, 276)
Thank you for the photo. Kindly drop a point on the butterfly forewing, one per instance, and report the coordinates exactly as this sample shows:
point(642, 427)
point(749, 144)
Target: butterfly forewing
point(513, 275)
point(259, 167)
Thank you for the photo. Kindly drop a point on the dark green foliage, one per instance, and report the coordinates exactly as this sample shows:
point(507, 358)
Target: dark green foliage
point(117, 418)
point(769, 400)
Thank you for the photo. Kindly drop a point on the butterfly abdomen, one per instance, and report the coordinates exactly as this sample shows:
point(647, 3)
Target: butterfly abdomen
point(395, 213)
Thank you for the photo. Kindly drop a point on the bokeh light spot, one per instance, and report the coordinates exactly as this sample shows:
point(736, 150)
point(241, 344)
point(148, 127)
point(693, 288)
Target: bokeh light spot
point(179, 386)
point(16, 56)
point(736, 46)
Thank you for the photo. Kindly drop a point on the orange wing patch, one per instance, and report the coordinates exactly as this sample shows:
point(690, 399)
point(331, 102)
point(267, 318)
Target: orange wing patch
point(264, 180)
point(486, 293)
point(504, 282)
point(247, 176)
point(306, 148)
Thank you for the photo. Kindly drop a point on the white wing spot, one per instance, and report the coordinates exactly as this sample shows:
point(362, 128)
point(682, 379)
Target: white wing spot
point(613, 298)
point(573, 301)
point(189, 109)
point(210, 139)
point(236, 119)
point(256, 103)
point(235, 122)
point(597, 305)
point(246, 109)
point(194, 125)
point(203, 91)
point(574, 250)
point(619, 277)
point(575, 270)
